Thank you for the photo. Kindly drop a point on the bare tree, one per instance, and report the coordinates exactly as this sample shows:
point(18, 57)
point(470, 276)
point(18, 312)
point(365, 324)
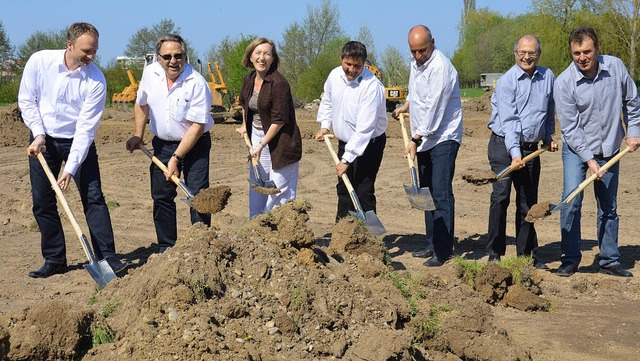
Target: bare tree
point(624, 27)
point(41, 40)
point(396, 67)
point(366, 38)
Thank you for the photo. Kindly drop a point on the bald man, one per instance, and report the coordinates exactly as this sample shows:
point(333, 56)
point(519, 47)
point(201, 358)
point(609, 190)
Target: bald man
point(436, 134)
point(522, 116)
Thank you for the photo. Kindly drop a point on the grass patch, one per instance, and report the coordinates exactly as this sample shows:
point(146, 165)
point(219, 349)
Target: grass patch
point(112, 204)
point(200, 289)
point(430, 327)
point(33, 226)
point(101, 335)
point(404, 284)
point(519, 267)
point(110, 308)
point(469, 269)
point(472, 92)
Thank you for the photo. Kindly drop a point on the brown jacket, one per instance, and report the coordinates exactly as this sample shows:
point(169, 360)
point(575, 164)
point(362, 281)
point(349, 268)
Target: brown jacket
point(275, 105)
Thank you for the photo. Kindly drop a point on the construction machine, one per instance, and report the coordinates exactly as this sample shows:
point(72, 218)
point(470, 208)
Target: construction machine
point(394, 95)
point(121, 101)
point(221, 96)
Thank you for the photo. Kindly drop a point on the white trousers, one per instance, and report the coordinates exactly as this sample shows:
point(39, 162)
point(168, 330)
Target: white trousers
point(285, 178)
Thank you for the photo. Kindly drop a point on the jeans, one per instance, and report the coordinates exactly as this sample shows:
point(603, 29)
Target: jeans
point(525, 181)
point(606, 191)
point(435, 170)
point(362, 173)
point(195, 167)
point(45, 210)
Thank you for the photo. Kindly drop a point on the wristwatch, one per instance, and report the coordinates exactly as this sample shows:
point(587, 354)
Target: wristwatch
point(345, 162)
point(417, 141)
point(179, 158)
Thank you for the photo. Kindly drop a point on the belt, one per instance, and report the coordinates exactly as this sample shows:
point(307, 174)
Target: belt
point(373, 140)
point(529, 145)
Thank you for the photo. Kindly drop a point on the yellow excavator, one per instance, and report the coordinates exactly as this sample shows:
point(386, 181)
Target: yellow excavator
point(394, 95)
point(121, 101)
point(220, 96)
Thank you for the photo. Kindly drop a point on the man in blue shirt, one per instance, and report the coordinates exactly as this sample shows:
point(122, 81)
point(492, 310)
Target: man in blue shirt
point(592, 96)
point(523, 114)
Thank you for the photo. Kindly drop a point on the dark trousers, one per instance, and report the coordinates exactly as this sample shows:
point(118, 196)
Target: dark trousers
point(435, 170)
point(45, 209)
point(195, 167)
point(525, 182)
point(362, 174)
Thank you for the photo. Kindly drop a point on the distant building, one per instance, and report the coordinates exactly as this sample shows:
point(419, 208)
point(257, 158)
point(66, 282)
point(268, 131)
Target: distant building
point(488, 80)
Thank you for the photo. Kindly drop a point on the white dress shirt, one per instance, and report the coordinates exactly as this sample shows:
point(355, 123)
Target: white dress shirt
point(434, 101)
point(355, 110)
point(62, 103)
point(171, 111)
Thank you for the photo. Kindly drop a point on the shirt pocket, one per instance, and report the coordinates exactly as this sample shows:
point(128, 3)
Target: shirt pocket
point(181, 109)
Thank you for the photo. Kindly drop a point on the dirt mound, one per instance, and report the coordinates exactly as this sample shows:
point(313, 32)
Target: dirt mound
point(496, 285)
point(52, 331)
point(13, 132)
point(211, 200)
point(478, 176)
point(480, 104)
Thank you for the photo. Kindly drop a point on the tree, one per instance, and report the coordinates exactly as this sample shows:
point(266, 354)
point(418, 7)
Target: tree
point(469, 7)
point(6, 49)
point(143, 41)
point(41, 40)
point(311, 83)
point(229, 55)
point(294, 61)
point(623, 29)
point(396, 67)
point(366, 38)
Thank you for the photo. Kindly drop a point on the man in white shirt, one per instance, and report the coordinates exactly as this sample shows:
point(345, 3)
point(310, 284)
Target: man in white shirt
point(62, 96)
point(177, 101)
point(353, 105)
point(436, 128)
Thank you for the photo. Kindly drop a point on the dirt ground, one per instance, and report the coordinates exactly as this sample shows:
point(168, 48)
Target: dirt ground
point(293, 285)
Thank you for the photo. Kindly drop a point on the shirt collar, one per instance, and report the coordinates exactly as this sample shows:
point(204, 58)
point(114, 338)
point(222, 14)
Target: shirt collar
point(356, 81)
point(62, 67)
point(577, 74)
point(414, 63)
point(523, 74)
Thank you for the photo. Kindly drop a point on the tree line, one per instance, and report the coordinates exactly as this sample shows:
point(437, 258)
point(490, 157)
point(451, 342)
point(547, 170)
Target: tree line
point(310, 47)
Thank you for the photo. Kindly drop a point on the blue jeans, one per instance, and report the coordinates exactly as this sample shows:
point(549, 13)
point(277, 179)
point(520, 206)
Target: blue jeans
point(606, 191)
point(435, 170)
point(45, 210)
point(195, 167)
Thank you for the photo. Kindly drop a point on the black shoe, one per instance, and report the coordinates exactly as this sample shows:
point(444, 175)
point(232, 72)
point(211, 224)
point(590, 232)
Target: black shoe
point(433, 262)
point(567, 269)
point(616, 270)
point(119, 268)
point(422, 253)
point(163, 249)
point(493, 258)
point(49, 269)
point(539, 264)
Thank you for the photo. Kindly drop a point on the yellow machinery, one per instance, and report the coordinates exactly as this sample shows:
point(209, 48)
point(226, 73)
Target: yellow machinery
point(220, 93)
point(394, 95)
point(121, 101)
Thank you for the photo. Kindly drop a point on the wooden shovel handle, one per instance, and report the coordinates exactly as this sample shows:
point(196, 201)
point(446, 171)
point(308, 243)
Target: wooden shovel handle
point(594, 176)
point(524, 160)
point(160, 165)
point(405, 137)
point(247, 141)
point(63, 201)
point(345, 179)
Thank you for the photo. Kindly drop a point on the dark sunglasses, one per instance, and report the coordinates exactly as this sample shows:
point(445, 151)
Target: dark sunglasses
point(168, 57)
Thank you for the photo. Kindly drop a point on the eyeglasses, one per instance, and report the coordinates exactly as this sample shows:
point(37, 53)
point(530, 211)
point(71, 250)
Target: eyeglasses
point(168, 57)
point(532, 54)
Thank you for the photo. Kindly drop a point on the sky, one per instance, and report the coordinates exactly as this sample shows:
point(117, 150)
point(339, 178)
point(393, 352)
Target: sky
point(205, 23)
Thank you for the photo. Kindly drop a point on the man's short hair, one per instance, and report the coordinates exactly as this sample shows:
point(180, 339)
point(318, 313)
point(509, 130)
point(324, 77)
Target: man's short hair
point(76, 30)
point(579, 34)
point(174, 38)
point(355, 50)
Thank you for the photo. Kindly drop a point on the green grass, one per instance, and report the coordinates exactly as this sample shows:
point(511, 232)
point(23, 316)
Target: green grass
point(472, 92)
point(430, 327)
point(469, 268)
point(519, 267)
point(110, 308)
point(102, 335)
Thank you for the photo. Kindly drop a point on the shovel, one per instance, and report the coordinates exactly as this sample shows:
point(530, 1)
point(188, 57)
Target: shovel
point(419, 198)
point(100, 271)
point(574, 193)
point(174, 178)
point(505, 172)
point(371, 221)
point(259, 185)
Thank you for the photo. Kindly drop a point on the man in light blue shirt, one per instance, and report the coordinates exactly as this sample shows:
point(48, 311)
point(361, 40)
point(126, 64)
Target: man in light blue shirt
point(522, 116)
point(594, 96)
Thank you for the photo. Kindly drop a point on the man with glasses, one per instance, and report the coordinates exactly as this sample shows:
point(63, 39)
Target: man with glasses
point(62, 96)
point(523, 114)
point(595, 100)
point(436, 128)
point(177, 101)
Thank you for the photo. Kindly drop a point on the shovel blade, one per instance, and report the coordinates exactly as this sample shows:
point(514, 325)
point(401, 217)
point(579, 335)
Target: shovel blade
point(558, 207)
point(101, 272)
point(371, 222)
point(419, 198)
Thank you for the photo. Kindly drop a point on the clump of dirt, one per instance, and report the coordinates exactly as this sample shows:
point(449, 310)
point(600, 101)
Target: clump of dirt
point(538, 211)
point(285, 226)
point(497, 286)
point(524, 300)
point(265, 190)
point(211, 200)
point(12, 128)
point(478, 176)
point(52, 331)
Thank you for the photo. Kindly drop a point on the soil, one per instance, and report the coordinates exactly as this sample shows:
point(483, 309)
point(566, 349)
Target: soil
point(291, 284)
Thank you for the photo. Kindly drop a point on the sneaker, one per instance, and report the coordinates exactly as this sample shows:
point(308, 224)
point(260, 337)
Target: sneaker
point(616, 270)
